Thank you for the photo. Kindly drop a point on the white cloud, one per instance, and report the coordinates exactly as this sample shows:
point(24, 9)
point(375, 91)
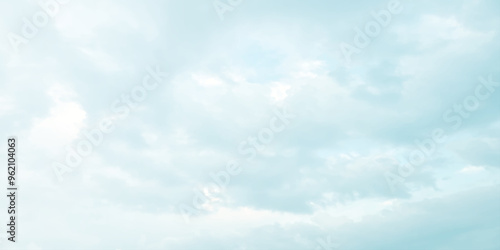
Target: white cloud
point(63, 124)
point(471, 169)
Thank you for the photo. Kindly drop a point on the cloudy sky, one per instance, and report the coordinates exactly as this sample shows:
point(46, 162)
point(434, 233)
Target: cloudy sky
point(249, 125)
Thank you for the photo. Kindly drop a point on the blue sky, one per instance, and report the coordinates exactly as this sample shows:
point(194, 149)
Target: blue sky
point(320, 178)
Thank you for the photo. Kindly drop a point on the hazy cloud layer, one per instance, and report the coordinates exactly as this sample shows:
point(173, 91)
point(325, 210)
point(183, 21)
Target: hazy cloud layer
point(323, 176)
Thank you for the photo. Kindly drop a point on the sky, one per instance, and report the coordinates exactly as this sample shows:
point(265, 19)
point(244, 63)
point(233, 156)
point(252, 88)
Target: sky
point(250, 124)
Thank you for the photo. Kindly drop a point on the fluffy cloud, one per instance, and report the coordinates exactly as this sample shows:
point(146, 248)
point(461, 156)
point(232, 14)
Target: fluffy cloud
point(319, 181)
